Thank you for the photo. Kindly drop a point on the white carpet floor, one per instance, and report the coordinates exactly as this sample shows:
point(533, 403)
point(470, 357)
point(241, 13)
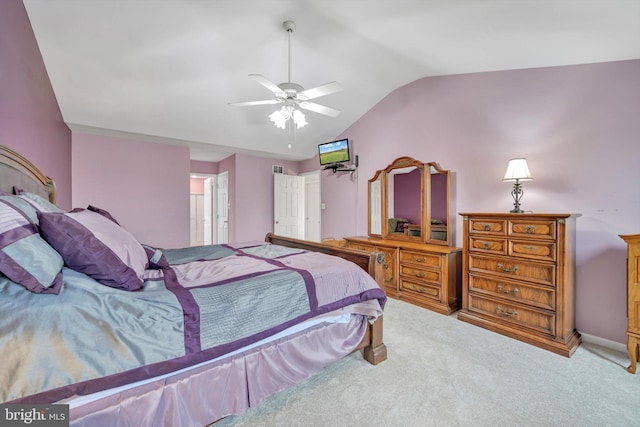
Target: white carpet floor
point(444, 372)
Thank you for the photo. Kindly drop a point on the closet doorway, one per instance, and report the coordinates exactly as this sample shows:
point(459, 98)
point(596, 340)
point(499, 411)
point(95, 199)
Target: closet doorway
point(202, 191)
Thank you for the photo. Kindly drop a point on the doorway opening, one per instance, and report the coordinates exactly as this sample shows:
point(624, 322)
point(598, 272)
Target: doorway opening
point(201, 197)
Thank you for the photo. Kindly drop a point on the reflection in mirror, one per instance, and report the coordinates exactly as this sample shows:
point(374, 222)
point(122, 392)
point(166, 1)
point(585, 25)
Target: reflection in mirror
point(410, 200)
point(439, 205)
point(375, 205)
point(404, 202)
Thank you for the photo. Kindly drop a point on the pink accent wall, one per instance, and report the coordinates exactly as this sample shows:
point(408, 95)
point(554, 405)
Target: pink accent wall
point(30, 119)
point(196, 185)
point(144, 185)
point(578, 128)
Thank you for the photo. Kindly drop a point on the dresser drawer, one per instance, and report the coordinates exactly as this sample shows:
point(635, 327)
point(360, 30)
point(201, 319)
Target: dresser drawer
point(536, 272)
point(537, 229)
point(542, 250)
point(420, 274)
point(419, 258)
point(362, 246)
point(487, 226)
point(538, 296)
point(507, 311)
point(486, 245)
point(420, 289)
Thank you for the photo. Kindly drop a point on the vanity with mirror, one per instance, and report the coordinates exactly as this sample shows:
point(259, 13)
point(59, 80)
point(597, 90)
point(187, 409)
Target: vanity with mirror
point(410, 223)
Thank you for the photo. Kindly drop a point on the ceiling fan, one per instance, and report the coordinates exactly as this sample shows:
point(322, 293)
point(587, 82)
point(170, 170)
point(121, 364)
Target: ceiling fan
point(293, 95)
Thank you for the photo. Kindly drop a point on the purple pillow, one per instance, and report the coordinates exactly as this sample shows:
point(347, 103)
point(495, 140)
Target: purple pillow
point(96, 246)
point(102, 212)
point(25, 257)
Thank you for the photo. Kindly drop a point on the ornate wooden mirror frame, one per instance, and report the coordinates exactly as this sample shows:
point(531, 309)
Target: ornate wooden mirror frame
point(425, 199)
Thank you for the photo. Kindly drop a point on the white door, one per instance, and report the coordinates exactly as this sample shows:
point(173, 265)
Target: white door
point(312, 214)
point(288, 205)
point(197, 220)
point(208, 210)
point(222, 208)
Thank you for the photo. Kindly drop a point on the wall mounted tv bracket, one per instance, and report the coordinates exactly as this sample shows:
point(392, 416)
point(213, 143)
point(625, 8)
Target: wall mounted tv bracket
point(339, 167)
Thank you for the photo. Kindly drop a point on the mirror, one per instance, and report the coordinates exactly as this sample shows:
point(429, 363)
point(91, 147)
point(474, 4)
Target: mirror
point(409, 200)
point(375, 205)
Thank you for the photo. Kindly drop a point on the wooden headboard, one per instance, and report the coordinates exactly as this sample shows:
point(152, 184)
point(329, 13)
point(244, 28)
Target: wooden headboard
point(17, 171)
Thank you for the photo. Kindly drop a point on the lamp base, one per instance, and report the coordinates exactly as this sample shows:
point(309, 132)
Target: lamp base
point(517, 195)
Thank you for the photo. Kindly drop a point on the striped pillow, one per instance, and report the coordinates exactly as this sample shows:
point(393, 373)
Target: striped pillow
point(25, 257)
point(96, 246)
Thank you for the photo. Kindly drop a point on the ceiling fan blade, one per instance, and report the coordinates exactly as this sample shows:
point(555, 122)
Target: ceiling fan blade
point(318, 91)
point(268, 84)
point(250, 103)
point(317, 108)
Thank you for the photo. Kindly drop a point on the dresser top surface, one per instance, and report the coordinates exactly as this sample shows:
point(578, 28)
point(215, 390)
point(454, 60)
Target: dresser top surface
point(404, 244)
point(520, 215)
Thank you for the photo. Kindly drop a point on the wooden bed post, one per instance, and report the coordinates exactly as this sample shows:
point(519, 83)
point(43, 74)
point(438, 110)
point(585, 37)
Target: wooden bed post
point(373, 348)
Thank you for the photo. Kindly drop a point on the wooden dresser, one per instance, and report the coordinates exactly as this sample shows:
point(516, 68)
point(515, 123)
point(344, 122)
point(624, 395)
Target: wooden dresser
point(419, 273)
point(633, 298)
point(518, 277)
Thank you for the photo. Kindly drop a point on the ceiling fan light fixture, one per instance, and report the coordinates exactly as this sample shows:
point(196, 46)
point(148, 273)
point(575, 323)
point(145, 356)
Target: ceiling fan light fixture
point(299, 119)
point(283, 115)
point(293, 96)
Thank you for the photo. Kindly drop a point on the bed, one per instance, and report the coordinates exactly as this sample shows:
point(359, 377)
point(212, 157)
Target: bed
point(128, 334)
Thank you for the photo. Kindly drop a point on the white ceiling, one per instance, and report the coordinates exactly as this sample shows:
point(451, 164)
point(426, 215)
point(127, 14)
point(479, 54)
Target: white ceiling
point(167, 69)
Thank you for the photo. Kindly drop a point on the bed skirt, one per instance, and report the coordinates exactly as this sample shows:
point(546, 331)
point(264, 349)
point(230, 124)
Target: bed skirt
point(206, 393)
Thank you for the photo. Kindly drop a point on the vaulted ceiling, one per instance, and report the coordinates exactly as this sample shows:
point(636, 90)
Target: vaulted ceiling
point(166, 70)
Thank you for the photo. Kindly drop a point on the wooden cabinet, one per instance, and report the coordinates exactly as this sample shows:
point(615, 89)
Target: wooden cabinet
point(633, 298)
point(518, 277)
point(422, 274)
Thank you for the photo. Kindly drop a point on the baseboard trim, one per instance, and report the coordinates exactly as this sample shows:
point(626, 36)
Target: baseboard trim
point(614, 345)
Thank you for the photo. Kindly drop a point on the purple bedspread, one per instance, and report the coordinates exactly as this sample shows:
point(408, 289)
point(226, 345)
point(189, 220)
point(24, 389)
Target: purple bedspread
point(200, 304)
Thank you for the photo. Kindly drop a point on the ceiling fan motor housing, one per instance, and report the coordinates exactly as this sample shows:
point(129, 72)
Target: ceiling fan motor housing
point(291, 89)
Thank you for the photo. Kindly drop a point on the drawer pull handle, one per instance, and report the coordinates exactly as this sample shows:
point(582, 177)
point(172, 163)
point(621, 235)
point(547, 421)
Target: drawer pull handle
point(486, 227)
point(419, 274)
point(508, 291)
point(416, 259)
point(418, 288)
point(507, 269)
point(529, 229)
point(486, 245)
point(530, 248)
point(507, 313)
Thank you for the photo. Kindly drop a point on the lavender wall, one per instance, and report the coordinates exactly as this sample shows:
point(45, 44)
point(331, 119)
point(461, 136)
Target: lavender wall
point(254, 195)
point(144, 185)
point(30, 120)
point(578, 128)
point(198, 166)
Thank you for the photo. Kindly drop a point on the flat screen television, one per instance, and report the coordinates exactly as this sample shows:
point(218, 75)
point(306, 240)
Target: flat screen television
point(334, 152)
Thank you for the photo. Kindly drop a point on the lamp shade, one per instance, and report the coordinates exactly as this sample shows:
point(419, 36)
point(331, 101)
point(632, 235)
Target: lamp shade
point(517, 169)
